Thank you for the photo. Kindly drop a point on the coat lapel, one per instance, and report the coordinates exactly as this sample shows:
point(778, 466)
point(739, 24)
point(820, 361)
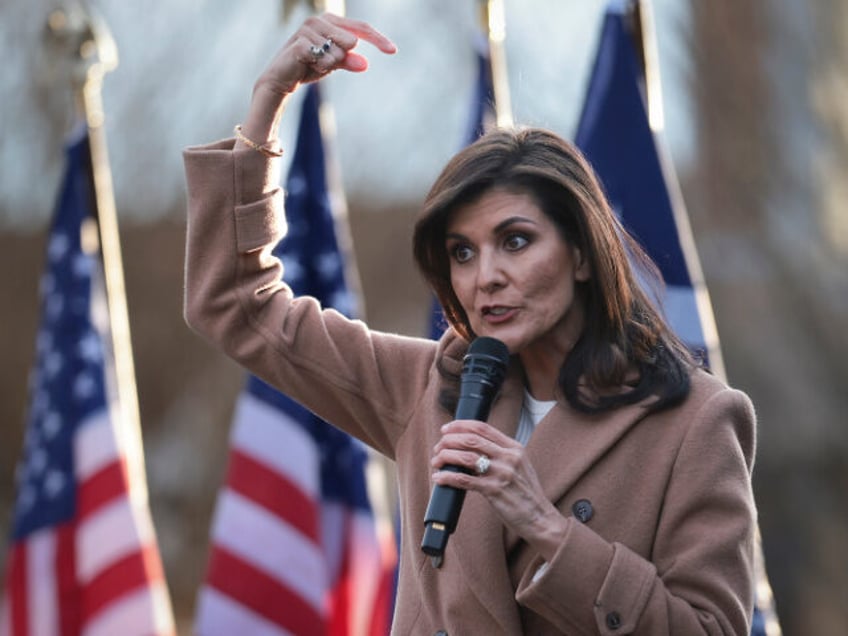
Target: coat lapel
point(567, 443)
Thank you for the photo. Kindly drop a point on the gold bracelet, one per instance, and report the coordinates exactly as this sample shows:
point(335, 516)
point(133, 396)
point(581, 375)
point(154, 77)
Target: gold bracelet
point(266, 149)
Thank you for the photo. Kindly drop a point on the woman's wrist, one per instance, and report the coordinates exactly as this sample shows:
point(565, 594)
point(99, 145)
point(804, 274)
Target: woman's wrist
point(263, 118)
point(546, 533)
point(269, 148)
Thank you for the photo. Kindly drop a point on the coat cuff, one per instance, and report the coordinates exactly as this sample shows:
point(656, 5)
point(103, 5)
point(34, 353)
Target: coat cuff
point(625, 592)
point(564, 592)
point(254, 175)
point(261, 223)
point(589, 580)
point(258, 198)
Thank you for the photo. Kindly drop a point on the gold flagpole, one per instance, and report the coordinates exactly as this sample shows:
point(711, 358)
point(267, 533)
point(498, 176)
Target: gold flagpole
point(95, 54)
point(645, 41)
point(645, 37)
point(493, 24)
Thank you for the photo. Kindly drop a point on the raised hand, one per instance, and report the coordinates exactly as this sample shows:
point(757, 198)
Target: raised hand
point(322, 44)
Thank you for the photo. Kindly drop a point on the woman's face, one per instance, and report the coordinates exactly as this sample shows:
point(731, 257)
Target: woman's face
point(513, 273)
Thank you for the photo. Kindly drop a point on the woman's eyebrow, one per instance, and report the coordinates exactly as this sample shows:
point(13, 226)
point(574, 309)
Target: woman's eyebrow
point(512, 220)
point(457, 236)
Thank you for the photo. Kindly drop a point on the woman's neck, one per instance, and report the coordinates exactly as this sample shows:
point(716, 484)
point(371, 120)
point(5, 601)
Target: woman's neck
point(541, 373)
point(543, 360)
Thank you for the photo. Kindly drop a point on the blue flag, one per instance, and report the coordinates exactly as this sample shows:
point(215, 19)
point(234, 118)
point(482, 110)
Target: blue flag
point(294, 543)
point(615, 135)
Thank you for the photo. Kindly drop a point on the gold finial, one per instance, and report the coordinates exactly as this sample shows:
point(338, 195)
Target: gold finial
point(81, 38)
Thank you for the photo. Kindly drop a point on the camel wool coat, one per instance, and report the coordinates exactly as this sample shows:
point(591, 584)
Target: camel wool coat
point(660, 512)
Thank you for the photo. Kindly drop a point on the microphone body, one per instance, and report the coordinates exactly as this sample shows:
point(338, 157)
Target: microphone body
point(483, 371)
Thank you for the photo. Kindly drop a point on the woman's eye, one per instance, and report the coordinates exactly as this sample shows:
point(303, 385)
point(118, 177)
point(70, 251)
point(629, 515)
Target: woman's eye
point(515, 242)
point(461, 253)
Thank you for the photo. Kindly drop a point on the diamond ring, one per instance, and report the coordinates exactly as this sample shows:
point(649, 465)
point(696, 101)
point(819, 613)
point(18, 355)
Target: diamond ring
point(483, 464)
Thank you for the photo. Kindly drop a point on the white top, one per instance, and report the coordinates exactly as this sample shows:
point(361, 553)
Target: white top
point(532, 412)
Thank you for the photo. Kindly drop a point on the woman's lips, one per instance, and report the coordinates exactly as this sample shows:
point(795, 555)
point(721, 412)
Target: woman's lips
point(496, 314)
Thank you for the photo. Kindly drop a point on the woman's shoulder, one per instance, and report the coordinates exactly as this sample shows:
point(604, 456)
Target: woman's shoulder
point(714, 411)
point(705, 387)
point(704, 382)
point(711, 400)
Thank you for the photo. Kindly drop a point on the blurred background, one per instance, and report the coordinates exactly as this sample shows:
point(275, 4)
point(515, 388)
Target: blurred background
point(755, 96)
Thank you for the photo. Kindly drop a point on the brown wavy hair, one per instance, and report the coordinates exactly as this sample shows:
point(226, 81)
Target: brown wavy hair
point(624, 332)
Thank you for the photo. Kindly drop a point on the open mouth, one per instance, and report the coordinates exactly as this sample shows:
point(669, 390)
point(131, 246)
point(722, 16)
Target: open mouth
point(498, 313)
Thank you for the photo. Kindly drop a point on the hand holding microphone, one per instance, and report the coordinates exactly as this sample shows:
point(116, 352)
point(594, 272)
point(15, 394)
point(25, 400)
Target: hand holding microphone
point(483, 371)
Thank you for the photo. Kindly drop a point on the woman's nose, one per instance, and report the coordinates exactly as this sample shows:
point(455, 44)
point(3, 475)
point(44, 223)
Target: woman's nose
point(490, 274)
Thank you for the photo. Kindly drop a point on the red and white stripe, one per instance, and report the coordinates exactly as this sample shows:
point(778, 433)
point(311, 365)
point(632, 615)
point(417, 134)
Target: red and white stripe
point(282, 561)
point(100, 573)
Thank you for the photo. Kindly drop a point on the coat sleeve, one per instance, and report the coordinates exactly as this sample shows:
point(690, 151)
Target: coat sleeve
point(361, 381)
point(700, 577)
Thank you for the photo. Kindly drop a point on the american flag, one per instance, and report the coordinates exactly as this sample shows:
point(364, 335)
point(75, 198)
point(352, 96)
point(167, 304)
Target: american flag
point(615, 134)
point(83, 557)
point(295, 547)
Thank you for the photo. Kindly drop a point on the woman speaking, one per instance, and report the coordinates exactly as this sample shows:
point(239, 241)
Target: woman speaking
point(609, 490)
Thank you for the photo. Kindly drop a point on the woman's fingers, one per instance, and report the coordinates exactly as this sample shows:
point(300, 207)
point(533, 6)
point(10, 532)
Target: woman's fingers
point(462, 458)
point(475, 435)
point(325, 43)
point(464, 442)
point(361, 30)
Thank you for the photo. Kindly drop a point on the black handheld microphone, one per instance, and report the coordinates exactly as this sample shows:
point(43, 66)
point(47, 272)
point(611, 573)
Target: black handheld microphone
point(483, 370)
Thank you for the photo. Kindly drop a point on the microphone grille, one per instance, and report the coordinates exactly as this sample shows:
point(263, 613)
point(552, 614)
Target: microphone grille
point(490, 347)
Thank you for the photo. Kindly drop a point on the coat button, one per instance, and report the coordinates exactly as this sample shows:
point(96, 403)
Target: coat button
point(582, 510)
point(613, 620)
